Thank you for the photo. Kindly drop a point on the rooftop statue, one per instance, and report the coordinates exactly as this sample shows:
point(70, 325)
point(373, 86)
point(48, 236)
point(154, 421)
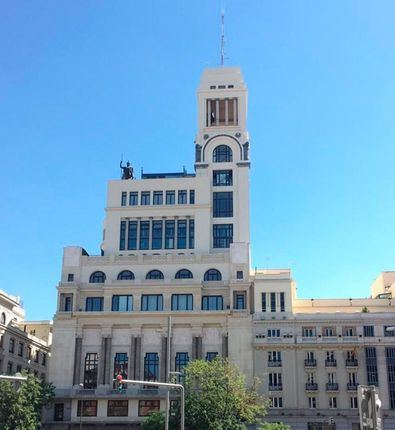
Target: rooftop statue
point(127, 171)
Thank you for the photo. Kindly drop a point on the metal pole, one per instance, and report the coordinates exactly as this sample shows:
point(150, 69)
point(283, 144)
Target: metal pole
point(167, 420)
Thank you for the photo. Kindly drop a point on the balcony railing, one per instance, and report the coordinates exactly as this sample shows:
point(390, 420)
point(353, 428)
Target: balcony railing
point(332, 386)
point(274, 363)
point(352, 386)
point(311, 386)
point(351, 362)
point(330, 363)
point(276, 387)
point(310, 362)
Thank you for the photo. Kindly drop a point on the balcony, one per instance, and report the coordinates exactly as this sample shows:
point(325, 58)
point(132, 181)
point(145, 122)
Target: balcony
point(311, 386)
point(310, 362)
point(352, 386)
point(332, 386)
point(351, 362)
point(276, 387)
point(330, 363)
point(274, 363)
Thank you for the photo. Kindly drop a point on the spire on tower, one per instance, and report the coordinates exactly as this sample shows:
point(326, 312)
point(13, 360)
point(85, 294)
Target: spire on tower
point(222, 37)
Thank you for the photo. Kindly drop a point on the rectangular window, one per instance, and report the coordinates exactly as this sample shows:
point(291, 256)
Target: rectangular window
point(221, 112)
point(191, 197)
point(368, 330)
point(133, 198)
point(329, 331)
point(272, 302)
point(181, 361)
point(332, 402)
point(89, 408)
point(157, 229)
point(223, 204)
point(68, 303)
point(170, 197)
point(275, 402)
point(11, 347)
point(148, 406)
point(58, 412)
point(152, 302)
point(222, 235)
point(308, 332)
point(181, 234)
point(123, 198)
point(144, 234)
point(390, 355)
point(182, 197)
point(122, 303)
point(273, 332)
point(263, 302)
point(349, 331)
point(70, 277)
point(94, 304)
point(20, 349)
point(274, 356)
point(191, 234)
point(90, 370)
point(212, 303)
point(169, 234)
point(275, 381)
point(117, 408)
point(353, 402)
point(282, 302)
point(240, 301)
point(222, 178)
point(210, 356)
point(44, 359)
point(9, 368)
point(312, 402)
point(158, 198)
point(389, 330)
point(132, 235)
point(37, 356)
point(122, 236)
point(182, 302)
point(151, 366)
point(145, 198)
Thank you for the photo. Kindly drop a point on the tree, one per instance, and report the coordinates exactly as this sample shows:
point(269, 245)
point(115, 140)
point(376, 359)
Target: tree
point(20, 409)
point(274, 426)
point(156, 420)
point(217, 397)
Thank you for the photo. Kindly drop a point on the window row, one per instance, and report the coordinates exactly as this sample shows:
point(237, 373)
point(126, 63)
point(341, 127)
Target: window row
point(273, 302)
point(221, 112)
point(30, 353)
point(311, 359)
point(157, 234)
point(158, 198)
point(18, 369)
point(99, 277)
point(312, 402)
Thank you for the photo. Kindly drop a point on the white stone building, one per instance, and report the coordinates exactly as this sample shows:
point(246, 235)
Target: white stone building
point(175, 252)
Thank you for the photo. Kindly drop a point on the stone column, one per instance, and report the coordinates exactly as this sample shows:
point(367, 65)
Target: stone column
point(107, 364)
point(137, 358)
point(77, 361)
point(163, 360)
point(131, 358)
point(225, 346)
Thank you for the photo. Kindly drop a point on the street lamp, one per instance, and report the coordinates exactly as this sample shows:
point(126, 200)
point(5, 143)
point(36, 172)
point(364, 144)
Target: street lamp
point(81, 386)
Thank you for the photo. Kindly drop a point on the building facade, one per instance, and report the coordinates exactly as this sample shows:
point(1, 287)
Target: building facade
point(174, 275)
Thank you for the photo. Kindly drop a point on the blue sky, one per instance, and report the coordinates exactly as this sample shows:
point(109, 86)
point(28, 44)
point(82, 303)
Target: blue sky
point(83, 81)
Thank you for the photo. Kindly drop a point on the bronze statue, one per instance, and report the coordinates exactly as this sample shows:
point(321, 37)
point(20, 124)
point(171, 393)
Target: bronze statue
point(127, 171)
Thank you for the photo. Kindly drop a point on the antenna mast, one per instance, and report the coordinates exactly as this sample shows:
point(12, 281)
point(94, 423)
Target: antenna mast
point(222, 38)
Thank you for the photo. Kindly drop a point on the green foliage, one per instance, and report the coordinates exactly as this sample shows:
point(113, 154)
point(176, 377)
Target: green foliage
point(154, 421)
point(274, 426)
point(217, 398)
point(20, 409)
point(365, 310)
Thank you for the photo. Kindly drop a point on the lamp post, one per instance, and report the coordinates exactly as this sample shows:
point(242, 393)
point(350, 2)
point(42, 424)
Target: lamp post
point(81, 386)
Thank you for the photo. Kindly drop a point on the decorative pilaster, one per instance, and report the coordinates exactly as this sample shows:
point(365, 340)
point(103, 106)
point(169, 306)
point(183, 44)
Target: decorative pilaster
point(77, 361)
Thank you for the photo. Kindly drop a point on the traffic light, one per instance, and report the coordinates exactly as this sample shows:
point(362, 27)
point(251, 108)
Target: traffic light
point(120, 383)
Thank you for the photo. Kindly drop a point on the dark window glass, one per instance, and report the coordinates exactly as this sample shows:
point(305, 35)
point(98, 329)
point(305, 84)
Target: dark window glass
point(157, 227)
point(371, 366)
point(68, 303)
point(151, 366)
point(148, 406)
point(122, 236)
point(145, 198)
point(170, 197)
point(222, 178)
point(20, 349)
point(97, 278)
point(125, 275)
point(132, 235)
point(368, 330)
point(121, 367)
point(191, 197)
point(169, 234)
point(212, 303)
point(11, 347)
point(182, 197)
point(181, 361)
point(122, 303)
point(213, 275)
point(133, 198)
point(210, 356)
point(239, 274)
point(240, 301)
point(272, 302)
point(90, 370)
point(44, 359)
point(3, 318)
point(222, 235)
point(184, 274)
point(152, 302)
point(181, 234)
point(89, 408)
point(191, 234)
point(223, 204)
point(123, 198)
point(282, 302)
point(94, 304)
point(182, 302)
point(390, 354)
point(58, 412)
point(144, 234)
point(37, 356)
point(70, 277)
point(158, 198)
point(154, 274)
point(117, 408)
point(9, 368)
point(389, 330)
point(222, 154)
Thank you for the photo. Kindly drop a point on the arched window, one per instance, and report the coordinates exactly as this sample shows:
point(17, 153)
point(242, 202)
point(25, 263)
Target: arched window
point(184, 274)
point(3, 318)
point(97, 278)
point(222, 154)
point(213, 275)
point(154, 274)
point(125, 275)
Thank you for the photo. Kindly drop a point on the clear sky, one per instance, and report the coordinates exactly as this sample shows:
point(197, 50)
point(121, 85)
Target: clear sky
point(83, 81)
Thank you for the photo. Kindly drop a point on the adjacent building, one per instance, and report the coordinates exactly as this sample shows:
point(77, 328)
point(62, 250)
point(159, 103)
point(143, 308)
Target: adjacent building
point(174, 275)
